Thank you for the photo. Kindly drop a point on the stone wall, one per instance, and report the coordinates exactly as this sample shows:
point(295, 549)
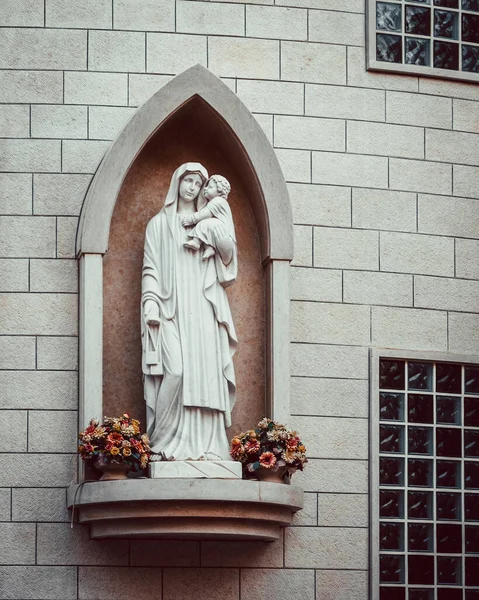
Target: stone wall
point(384, 178)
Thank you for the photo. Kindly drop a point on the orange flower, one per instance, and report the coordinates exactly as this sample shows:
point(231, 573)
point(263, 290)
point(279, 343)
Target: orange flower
point(115, 438)
point(267, 460)
point(126, 451)
point(115, 451)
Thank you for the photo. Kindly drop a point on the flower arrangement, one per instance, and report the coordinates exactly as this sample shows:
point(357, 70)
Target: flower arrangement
point(117, 440)
point(270, 446)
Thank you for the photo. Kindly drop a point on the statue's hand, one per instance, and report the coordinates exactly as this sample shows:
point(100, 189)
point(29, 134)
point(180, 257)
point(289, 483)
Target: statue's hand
point(152, 313)
point(187, 221)
point(153, 320)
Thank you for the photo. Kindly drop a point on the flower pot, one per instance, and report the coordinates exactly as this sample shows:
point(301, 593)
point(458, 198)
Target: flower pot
point(112, 471)
point(264, 474)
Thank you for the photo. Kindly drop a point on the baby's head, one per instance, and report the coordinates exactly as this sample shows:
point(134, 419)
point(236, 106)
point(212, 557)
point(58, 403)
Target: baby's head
point(217, 185)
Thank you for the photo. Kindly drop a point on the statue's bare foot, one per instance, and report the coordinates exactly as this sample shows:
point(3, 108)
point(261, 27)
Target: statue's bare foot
point(192, 244)
point(210, 251)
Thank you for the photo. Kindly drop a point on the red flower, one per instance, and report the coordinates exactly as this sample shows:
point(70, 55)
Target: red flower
point(252, 446)
point(267, 460)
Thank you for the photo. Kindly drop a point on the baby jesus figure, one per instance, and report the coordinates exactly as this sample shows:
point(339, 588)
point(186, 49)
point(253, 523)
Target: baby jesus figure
point(213, 224)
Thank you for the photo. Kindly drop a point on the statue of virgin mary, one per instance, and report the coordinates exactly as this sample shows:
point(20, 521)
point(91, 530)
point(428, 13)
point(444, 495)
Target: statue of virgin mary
point(188, 336)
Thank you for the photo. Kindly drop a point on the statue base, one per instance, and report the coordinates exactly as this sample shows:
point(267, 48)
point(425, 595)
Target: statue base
point(195, 469)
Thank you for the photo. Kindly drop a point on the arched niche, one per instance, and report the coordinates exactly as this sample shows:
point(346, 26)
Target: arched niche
point(195, 117)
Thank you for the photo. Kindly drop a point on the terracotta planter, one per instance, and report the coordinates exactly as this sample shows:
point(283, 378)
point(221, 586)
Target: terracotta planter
point(272, 476)
point(112, 471)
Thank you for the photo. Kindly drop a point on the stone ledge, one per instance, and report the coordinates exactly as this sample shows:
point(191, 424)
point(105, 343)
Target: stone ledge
point(201, 509)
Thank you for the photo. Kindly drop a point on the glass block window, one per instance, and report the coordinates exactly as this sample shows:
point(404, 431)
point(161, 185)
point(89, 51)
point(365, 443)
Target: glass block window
point(427, 479)
point(430, 37)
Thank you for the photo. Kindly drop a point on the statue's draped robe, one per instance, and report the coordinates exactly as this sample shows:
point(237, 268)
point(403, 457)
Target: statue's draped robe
point(188, 369)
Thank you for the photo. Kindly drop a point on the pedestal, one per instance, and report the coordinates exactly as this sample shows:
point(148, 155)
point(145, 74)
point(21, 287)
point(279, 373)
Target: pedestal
point(195, 469)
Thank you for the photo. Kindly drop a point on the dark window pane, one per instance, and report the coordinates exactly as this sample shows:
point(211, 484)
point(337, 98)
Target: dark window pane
point(419, 594)
point(391, 406)
point(391, 438)
point(389, 49)
point(472, 379)
point(388, 16)
point(448, 410)
point(418, 20)
point(420, 537)
point(449, 570)
point(448, 378)
point(470, 28)
point(470, 5)
point(392, 593)
point(391, 471)
point(419, 472)
point(449, 538)
point(447, 3)
point(421, 569)
point(420, 408)
point(419, 505)
point(448, 594)
point(472, 571)
point(391, 568)
point(471, 443)
point(448, 474)
point(470, 59)
point(448, 506)
point(446, 56)
point(472, 594)
point(471, 475)
point(445, 24)
point(391, 503)
point(471, 412)
point(417, 52)
point(391, 536)
point(392, 371)
point(420, 440)
point(471, 507)
point(419, 376)
point(472, 539)
point(448, 442)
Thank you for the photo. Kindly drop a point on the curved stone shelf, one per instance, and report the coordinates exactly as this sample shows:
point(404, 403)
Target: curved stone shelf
point(201, 509)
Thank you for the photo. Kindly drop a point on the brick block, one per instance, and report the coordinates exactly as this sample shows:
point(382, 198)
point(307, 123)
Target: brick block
point(82, 156)
point(356, 6)
point(116, 51)
point(22, 13)
point(466, 181)
point(52, 431)
point(59, 194)
point(417, 109)
point(352, 585)
point(150, 15)
point(345, 103)
point(414, 329)
point(31, 86)
point(269, 22)
point(27, 236)
point(30, 155)
point(360, 77)
point(303, 246)
point(323, 323)
point(5, 504)
point(96, 88)
point(329, 397)
point(334, 476)
point(466, 115)
point(39, 389)
point(463, 333)
point(295, 164)
point(17, 352)
point(58, 353)
point(386, 140)
point(15, 194)
point(14, 120)
point(18, 544)
point(36, 470)
point(334, 27)
point(43, 314)
point(270, 584)
point(437, 87)
point(13, 275)
point(242, 554)
point(162, 553)
point(346, 249)
point(320, 285)
point(420, 176)
point(14, 436)
point(308, 515)
point(443, 215)
point(384, 209)
point(142, 86)
point(266, 124)
point(361, 287)
point(350, 169)
point(452, 146)
point(412, 253)
point(334, 510)
point(66, 235)
point(83, 14)
point(59, 121)
point(106, 122)
point(314, 360)
point(102, 583)
point(210, 18)
point(38, 583)
point(37, 504)
point(326, 547)
point(201, 584)
point(231, 57)
point(320, 204)
point(53, 49)
point(276, 97)
point(309, 133)
point(315, 63)
point(173, 53)
point(460, 295)
point(330, 437)
point(467, 259)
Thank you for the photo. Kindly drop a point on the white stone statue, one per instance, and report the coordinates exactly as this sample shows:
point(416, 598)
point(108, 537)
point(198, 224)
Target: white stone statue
point(188, 335)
